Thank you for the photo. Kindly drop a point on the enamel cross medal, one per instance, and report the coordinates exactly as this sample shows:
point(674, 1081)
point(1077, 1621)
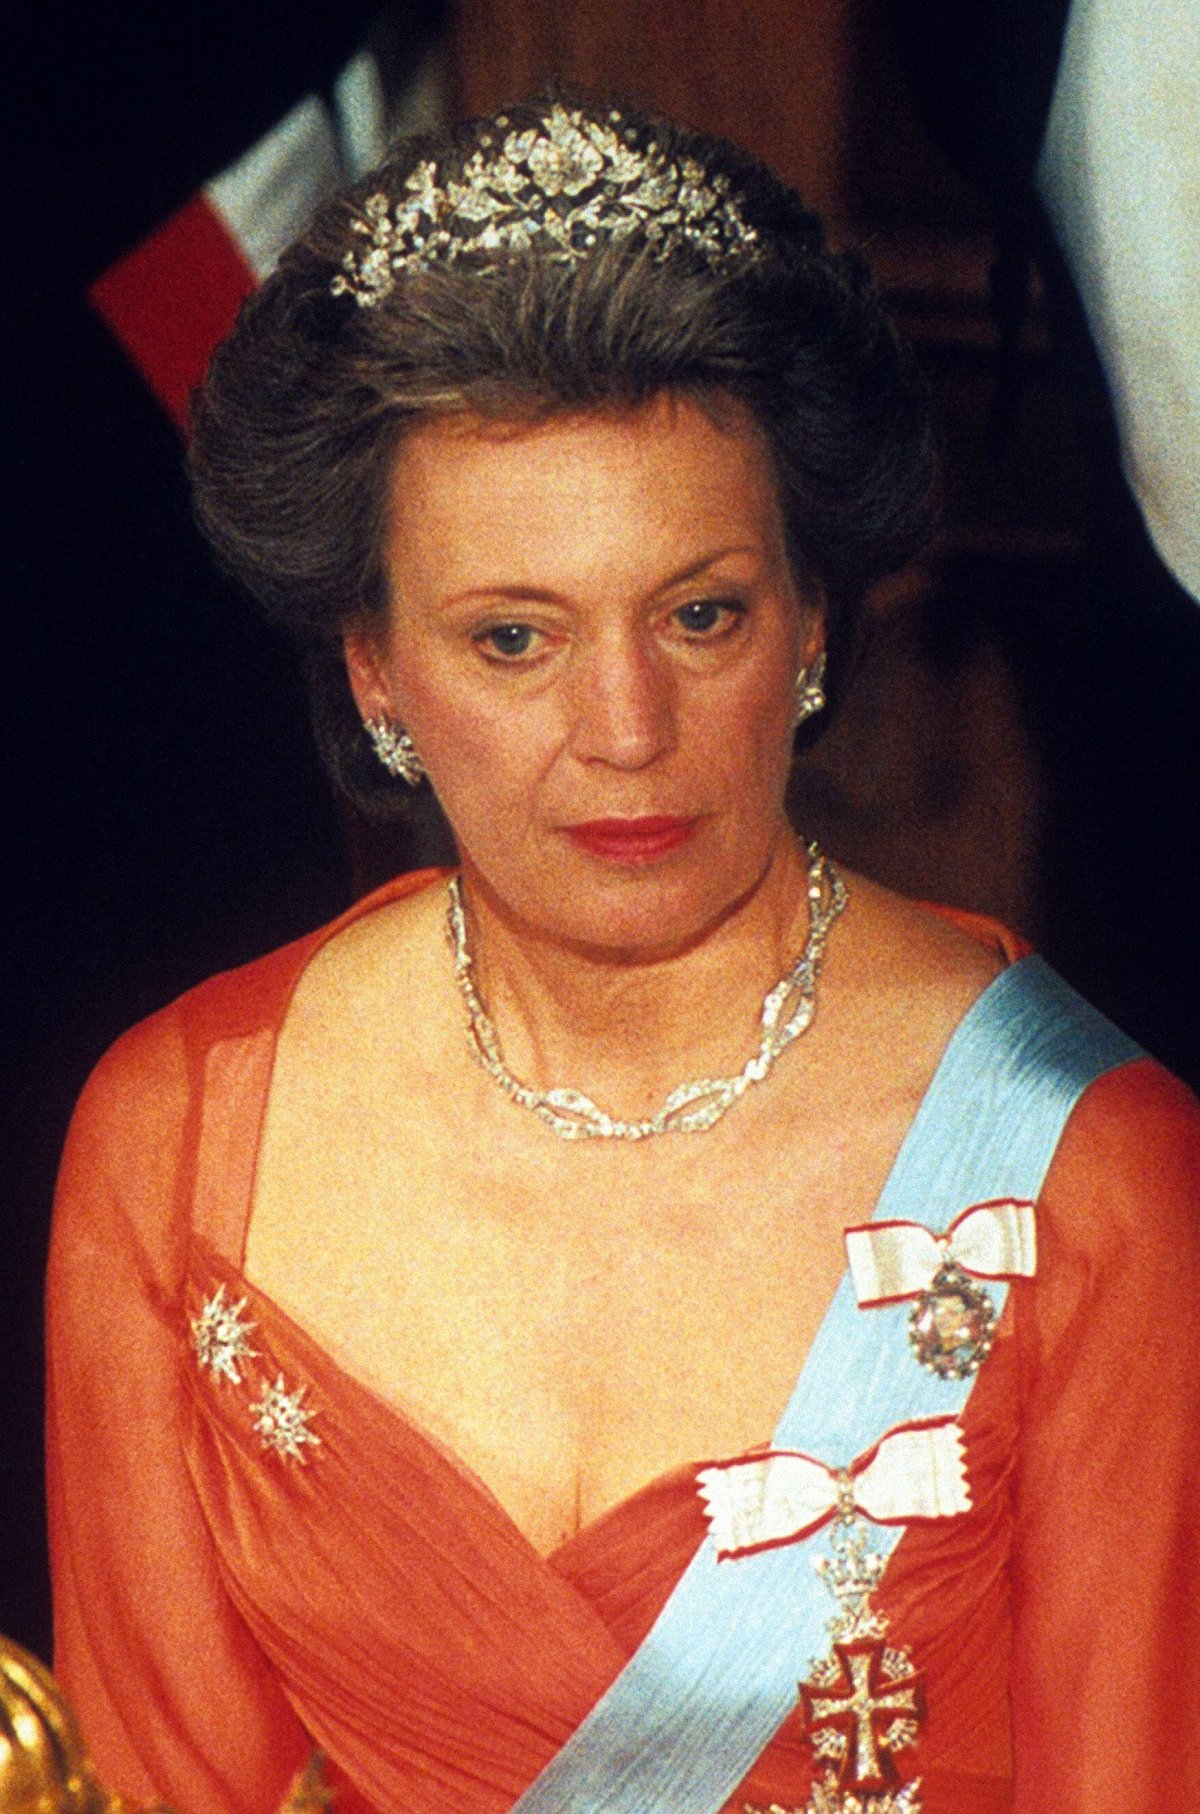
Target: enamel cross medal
point(863, 1702)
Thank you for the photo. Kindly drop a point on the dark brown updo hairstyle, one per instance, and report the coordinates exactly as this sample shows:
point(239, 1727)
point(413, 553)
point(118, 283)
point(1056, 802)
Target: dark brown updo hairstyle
point(299, 421)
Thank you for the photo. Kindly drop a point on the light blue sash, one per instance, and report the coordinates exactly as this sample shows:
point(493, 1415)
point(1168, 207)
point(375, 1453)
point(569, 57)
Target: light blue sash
point(716, 1676)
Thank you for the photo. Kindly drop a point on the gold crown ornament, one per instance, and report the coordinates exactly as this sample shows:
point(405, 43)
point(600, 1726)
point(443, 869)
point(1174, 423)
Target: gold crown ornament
point(561, 186)
point(45, 1769)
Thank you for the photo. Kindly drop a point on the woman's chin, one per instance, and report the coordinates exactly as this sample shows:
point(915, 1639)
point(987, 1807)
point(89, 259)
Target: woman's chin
point(645, 909)
point(620, 890)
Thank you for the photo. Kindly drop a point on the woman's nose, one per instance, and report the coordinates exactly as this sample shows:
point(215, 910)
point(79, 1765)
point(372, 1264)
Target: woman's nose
point(624, 706)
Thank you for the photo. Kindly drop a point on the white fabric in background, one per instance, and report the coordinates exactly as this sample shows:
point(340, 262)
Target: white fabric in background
point(1119, 173)
point(266, 198)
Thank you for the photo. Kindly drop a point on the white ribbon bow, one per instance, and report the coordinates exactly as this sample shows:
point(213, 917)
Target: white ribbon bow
point(890, 1260)
point(916, 1471)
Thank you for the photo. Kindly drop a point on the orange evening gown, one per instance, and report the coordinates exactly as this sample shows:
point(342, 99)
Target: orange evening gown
point(257, 1556)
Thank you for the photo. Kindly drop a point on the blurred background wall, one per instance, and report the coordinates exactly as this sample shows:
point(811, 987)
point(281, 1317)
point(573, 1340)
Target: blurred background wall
point(1024, 737)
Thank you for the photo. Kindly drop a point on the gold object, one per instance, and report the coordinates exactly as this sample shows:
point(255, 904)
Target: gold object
point(45, 1769)
point(309, 1793)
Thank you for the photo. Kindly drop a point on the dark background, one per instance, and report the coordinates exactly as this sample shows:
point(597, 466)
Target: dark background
point(1024, 738)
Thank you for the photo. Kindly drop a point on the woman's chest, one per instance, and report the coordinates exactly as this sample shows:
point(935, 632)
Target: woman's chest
point(570, 1329)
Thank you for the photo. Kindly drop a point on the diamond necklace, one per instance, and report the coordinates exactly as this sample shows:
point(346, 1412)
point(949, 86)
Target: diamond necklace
point(786, 1013)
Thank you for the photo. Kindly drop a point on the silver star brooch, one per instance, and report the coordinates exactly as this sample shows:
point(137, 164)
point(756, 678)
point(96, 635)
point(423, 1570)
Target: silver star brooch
point(220, 1335)
point(282, 1420)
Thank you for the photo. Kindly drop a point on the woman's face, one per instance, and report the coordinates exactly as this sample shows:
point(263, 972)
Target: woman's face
point(593, 640)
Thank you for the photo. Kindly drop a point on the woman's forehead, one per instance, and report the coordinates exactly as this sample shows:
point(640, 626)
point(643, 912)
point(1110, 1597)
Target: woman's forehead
point(668, 479)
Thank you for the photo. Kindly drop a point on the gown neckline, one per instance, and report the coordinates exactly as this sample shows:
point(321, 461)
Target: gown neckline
point(399, 1416)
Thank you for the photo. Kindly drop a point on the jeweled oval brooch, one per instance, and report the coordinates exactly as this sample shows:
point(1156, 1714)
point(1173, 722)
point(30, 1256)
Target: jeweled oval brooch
point(952, 1324)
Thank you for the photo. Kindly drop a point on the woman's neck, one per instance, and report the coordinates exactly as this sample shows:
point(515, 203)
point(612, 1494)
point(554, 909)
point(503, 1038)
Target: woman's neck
point(627, 1028)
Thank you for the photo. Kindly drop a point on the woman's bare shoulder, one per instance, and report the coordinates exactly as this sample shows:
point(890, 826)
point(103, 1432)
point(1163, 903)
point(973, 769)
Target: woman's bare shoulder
point(902, 949)
point(898, 980)
point(374, 1014)
point(385, 956)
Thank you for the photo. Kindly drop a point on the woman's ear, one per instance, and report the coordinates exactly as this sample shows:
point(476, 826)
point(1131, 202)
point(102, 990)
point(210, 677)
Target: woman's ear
point(365, 672)
point(812, 629)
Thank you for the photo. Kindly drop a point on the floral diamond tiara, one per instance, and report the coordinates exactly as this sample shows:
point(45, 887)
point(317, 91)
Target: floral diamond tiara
point(561, 185)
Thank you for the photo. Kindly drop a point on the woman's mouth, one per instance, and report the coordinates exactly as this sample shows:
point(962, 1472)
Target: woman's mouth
point(632, 841)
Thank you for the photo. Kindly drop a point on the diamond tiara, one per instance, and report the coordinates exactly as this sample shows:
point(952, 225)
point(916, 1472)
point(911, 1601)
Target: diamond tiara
point(562, 186)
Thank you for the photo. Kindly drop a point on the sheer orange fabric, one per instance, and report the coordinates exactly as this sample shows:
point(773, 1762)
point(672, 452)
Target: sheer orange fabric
point(221, 1606)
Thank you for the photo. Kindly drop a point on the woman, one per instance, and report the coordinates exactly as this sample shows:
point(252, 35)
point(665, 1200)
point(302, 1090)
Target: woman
point(424, 1297)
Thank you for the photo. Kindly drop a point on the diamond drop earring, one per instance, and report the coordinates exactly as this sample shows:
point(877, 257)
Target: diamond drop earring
point(810, 691)
point(394, 747)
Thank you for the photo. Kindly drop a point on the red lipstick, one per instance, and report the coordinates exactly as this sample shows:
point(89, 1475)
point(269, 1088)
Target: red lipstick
point(632, 841)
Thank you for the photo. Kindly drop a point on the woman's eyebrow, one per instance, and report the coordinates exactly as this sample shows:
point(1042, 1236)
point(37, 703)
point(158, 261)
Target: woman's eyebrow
point(695, 568)
point(541, 595)
point(538, 595)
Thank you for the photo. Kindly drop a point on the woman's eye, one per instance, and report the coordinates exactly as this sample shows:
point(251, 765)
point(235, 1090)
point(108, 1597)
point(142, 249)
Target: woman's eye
point(704, 615)
point(507, 640)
